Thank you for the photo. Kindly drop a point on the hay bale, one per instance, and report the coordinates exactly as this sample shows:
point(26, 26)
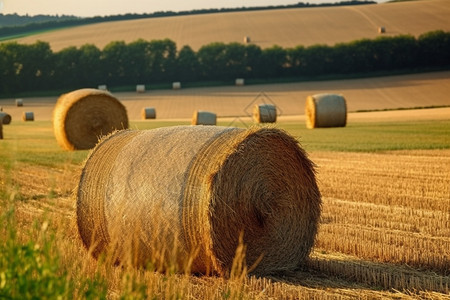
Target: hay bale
point(148, 113)
point(160, 196)
point(201, 117)
point(381, 30)
point(176, 85)
point(246, 39)
point(239, 81)
point(325, 110)
point(265, 113)
point(140, 88)
point(19, 102)
point(5, 118)
point(102, 87)
point(1, 131)
point(82, 116)
point(28, 116)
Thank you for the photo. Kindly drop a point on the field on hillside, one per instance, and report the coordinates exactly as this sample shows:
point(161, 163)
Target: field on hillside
point(286, 27)
point(390, 92)
point(384, 231)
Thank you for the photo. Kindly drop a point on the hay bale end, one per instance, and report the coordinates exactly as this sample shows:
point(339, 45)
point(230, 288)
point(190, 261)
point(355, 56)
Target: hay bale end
point(148, 113)
point(82, 116)
point(265, 113)
point(201, 117)
point(5, 118)
point(28, 116)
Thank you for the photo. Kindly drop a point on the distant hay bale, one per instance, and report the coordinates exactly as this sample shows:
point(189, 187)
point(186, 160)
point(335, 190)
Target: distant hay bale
point(5, 118)
point(325, 110)
point(19, 102)
point(264, 113)
point(148, 113)
point(81, 117)
point(176, 85)
point(28, 116)
point(140, 88)
point(204, 118)
point(381, 30)
point(246, 39)
point(102, 87)
point(239, 81)
point(212, 185)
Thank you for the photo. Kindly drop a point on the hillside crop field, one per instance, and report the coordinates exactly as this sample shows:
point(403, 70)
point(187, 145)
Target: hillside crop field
point(284, 27)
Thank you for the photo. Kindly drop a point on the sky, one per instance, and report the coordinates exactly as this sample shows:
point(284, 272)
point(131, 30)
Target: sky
point(89, 8)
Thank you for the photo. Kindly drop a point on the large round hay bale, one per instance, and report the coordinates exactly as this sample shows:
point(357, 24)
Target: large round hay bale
point(176, 85)
point(19, 102)
point(264, 113)
point(325, 110)
point(201, 117)
point(148, 113)
point(81, 117)
point(239, 81)
point(176, 195)
point(5, 118)
point(28, 116)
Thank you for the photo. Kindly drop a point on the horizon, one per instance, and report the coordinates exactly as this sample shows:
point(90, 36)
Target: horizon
point(90, 8)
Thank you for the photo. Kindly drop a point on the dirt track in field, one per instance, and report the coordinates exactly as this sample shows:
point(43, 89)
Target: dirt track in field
point(406, 91)
point(285, 27)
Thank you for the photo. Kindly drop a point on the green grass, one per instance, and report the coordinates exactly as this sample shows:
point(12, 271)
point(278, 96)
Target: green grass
point(34, 142)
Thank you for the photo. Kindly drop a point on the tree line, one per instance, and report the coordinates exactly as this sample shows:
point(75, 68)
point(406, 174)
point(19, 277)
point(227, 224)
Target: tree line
point(35, 67)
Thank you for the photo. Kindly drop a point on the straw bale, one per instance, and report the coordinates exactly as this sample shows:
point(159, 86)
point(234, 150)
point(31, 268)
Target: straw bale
point(1, 131)
point(174, 195)
point(176, 85)
point(28, 116)
point(5, 118)
point(381, 30)
point(103, 87)
point(82, 116)
point(239, 81)
point(246, 39)
point(201, 117)
point(148, 113)
point(140, 88)
point(19, 102)
point(325, 110)
point(264, 113)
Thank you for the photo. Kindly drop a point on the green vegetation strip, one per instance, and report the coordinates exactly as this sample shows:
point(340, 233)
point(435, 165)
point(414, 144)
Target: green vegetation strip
point(34, 143)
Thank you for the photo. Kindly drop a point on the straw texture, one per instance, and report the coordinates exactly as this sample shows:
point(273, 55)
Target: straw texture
point(28, 116)
point(82, 116)
point(264, 113)
point(148, 113)
point(325, 110)
point(204, 118)
point(5, 118)
point(184, 194)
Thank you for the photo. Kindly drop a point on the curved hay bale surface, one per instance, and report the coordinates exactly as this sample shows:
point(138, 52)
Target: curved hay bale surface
point(5, 118)
point(28, 116)
point(82, 116)
point(325, 110)
point(201, 117)
point(264, 113)
point(148, 113)
point(211, 184)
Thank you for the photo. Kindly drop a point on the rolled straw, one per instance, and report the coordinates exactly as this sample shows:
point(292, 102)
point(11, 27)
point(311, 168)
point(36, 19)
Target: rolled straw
point(182, 196)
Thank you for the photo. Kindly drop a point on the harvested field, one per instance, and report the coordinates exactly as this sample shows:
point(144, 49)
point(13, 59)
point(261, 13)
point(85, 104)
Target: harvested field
point(286, 27)
point(404, 91)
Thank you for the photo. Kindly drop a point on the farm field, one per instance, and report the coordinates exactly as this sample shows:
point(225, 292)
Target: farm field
point(390, 92)
point(286, 27)
point(384, 231)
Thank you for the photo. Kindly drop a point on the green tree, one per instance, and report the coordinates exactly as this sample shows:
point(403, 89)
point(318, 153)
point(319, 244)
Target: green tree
point(187, 65)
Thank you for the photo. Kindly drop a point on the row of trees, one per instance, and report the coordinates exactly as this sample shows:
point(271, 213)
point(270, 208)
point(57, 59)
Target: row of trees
point(36, 67)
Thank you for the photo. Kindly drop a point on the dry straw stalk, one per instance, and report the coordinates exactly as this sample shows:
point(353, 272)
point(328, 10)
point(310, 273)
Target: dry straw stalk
point(81, 117)
point(212, 186)
point(325, 110)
